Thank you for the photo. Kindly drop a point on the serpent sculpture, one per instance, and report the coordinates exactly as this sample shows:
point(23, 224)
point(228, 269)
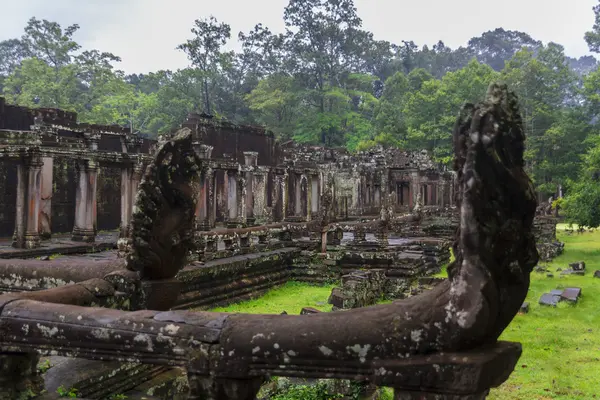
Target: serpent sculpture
point(162, 226)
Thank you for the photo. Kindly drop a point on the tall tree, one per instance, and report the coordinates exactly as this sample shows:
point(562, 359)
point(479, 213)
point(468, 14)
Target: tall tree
point(593, 37)
point(496, 47)
point(205, 52)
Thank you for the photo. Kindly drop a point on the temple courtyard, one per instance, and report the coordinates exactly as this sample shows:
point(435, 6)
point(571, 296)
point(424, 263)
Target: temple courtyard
point(561, 345)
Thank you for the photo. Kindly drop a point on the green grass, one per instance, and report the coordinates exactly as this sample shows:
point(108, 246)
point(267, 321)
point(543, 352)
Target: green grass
point(561, 346)
point(290, 297)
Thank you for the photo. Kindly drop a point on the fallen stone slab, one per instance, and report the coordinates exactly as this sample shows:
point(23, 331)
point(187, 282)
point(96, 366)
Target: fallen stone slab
point(572, 272)
point(524, 308)
point(571, 294)
point(309, 310)
point(548, 299)
point(556, 292)
point(577, 266)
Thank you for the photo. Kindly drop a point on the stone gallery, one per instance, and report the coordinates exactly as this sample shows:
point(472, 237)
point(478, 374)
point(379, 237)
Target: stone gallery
point(112, 239)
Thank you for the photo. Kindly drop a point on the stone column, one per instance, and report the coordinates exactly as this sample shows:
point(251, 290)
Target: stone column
point(29, 182)
point(259, 193)
point(232, 198)
point(309, 197)
point(85, 203)
point(251, 161)
point(284, 195)
point(211, 197)
point(242, 194)
point(45, 217)
point(202, 204)
point(314, 195)
point(297, 195)
point(414, 188)
point(126, 200)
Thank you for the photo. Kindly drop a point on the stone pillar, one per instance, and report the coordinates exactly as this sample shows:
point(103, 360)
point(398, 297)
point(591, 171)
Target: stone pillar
point(414, 189)
point(297, 195)
point(202, 204)
point(232, 195)
point(251, 161)
point(259, 194)
point(29, 182)
point(127, 197)
point(377, 196)
point(314, 194)
point(242, 194)
point(284, 195)
point(45, 217)
point(85, 203)
point(211, 182)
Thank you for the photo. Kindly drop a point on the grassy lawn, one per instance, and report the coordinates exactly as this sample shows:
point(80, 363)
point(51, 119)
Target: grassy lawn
point(290, 297)
point(561, 346)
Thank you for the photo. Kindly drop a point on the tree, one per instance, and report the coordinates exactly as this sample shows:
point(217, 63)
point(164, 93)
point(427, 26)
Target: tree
point(12, 53)
point(593, 37)
point(127, 107)
point(205, 52)
point(430, 111)
point(582, 203)
point(545, 85)
point(496, 47)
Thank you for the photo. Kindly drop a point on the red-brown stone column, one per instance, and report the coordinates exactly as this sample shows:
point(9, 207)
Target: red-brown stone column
point(126, 200)
point(29, 181)
point(85, 203)
point(251, 161)
point(45, 217)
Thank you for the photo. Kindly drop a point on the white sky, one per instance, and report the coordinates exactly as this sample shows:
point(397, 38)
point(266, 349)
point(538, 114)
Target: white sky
point(144, 33)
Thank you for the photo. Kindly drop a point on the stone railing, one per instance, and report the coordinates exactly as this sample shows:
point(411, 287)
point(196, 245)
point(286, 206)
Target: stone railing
point(441, 344)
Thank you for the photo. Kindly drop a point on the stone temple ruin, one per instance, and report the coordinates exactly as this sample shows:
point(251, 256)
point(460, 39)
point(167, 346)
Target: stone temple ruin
point(224, 213)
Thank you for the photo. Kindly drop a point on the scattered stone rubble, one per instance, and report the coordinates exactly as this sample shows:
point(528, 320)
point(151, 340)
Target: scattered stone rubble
point(571, 295)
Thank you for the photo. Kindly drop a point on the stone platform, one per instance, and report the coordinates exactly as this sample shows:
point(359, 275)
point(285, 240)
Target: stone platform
point(59, 244)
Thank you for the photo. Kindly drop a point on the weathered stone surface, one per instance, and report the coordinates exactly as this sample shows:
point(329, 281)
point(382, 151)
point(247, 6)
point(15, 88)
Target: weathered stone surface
point(524, 308)
point(577, 266)
point(597, 274)
point(548, 299)
point(309, 310)
point(162, 227)
point(571, 294)
point(572, 272)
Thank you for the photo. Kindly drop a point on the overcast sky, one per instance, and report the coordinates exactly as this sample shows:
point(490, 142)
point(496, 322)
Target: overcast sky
point(144, 33)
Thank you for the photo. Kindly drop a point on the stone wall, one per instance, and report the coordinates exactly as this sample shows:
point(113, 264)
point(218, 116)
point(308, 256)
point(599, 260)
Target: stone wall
point(8, 198)
point(109, 199)
point(64, 186)
point(544, 229)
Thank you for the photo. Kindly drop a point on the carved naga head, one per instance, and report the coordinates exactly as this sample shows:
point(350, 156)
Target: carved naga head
point(163, 222)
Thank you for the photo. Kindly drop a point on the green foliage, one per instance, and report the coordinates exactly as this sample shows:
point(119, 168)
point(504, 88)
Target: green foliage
point(64, 392)
point(43, 367)
point(305, 392)
point(291, 297)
